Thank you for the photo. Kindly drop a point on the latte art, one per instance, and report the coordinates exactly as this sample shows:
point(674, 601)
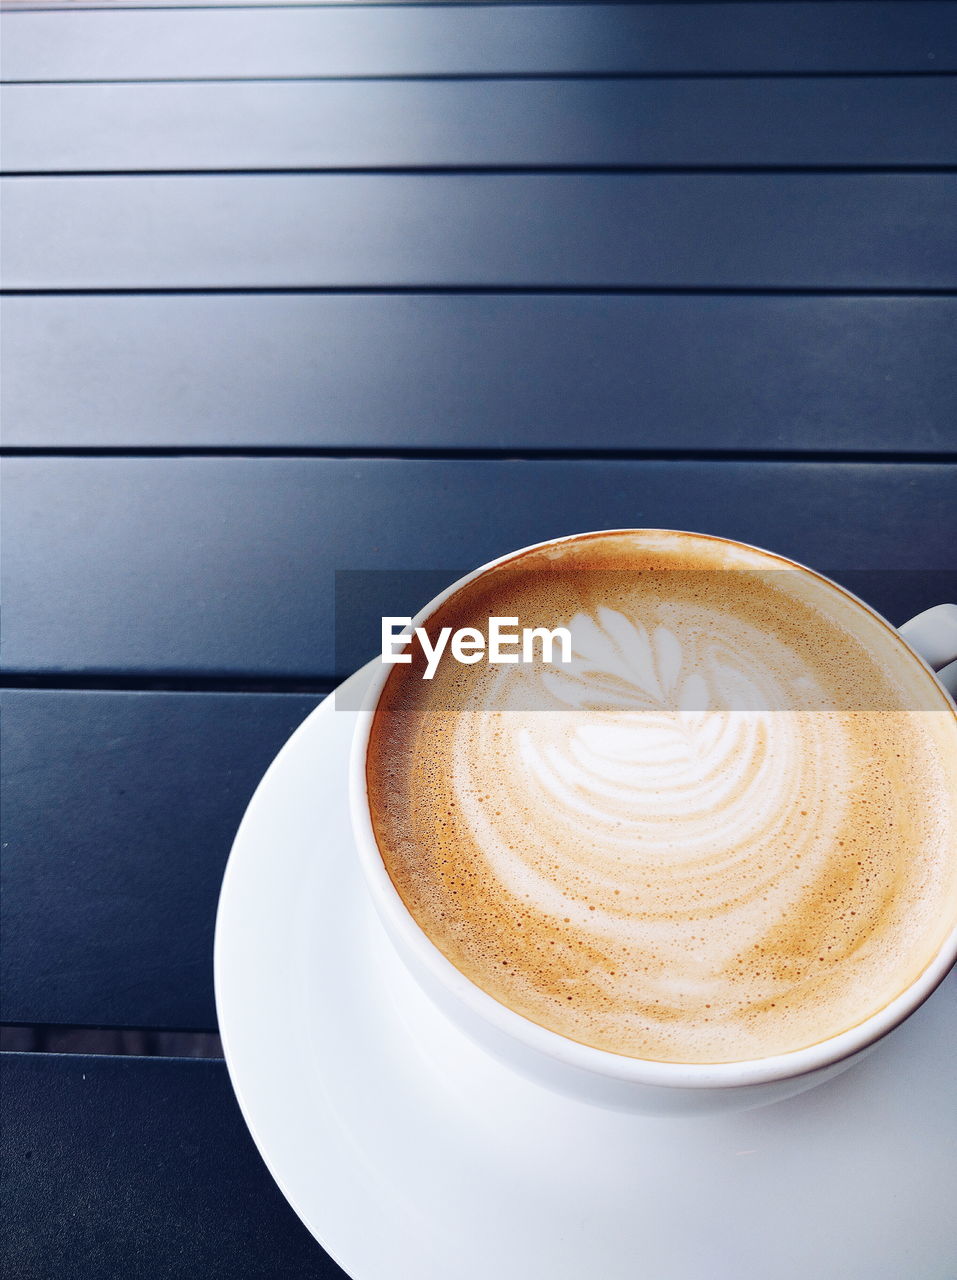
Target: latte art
point(687, 844)
point(615, 661)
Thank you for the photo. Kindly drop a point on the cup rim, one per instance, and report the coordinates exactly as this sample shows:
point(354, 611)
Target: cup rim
point(603, 1062)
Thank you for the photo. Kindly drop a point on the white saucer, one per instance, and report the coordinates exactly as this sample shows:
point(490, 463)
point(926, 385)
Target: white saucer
point(411, 1155)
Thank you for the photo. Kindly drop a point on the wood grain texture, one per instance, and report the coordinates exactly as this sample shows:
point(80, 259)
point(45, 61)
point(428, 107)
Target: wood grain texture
point(786, 231)
point(136, 44)
point(225, 566)
point(139, 1167)
point(347, 124)
point(471, 371)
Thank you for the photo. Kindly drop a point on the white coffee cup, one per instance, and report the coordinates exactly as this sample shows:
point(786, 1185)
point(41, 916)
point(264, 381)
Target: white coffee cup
point(596, 1075)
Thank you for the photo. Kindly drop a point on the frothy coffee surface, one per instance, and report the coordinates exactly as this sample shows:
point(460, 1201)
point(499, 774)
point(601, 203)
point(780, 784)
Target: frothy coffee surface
point(725, 830)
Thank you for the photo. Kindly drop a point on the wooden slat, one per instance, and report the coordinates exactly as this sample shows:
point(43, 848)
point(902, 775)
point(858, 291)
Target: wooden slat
point(119, 812)
point(139, 1167)
point(591, 230)
point(225, 566)
point(143, 1167)
point(394, 124)
point(478, 39)
point(474, 371)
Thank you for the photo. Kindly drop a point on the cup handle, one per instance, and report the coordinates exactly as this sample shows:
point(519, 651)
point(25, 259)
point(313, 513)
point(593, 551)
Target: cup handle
point(933, 635)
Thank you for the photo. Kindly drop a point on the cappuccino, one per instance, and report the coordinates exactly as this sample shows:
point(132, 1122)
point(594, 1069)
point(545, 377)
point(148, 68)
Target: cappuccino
point(727, 829)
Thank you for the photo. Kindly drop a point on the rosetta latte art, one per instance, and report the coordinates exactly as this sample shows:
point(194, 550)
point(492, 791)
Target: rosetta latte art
point(664, 793)
point(718, 833)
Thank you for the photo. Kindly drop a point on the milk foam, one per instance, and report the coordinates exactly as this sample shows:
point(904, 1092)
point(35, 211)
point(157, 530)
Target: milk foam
point(660, 849)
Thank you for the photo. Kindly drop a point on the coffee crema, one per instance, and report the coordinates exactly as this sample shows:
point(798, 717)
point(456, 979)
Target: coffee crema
point(726, 830)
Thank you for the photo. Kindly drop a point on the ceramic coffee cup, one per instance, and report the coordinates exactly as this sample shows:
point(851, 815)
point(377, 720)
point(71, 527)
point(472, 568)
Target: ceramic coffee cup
point(611, 1079)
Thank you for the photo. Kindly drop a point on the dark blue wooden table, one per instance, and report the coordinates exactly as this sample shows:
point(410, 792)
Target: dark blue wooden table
point(297, 288)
